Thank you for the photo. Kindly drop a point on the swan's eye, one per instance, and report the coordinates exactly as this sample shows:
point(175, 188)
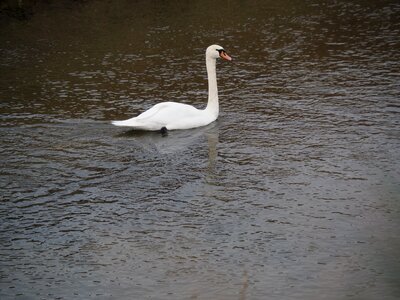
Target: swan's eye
point(221, 50)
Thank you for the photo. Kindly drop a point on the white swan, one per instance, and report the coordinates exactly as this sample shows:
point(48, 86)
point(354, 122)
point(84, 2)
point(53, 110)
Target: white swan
point(172, 115)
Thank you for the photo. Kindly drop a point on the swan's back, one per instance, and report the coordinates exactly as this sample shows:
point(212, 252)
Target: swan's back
point(171, 115)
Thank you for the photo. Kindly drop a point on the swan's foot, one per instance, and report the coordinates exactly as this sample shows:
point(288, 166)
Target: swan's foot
point(164, 131)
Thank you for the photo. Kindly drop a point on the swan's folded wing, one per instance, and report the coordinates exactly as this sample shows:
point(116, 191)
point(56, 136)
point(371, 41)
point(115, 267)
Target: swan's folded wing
point(168, 112)
point(162, 115)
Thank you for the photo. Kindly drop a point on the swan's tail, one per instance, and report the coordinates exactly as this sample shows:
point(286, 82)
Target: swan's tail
point(135, 124)
point(122, 123)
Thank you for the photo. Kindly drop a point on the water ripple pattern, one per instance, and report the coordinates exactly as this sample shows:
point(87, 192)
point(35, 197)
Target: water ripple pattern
point(292, 194)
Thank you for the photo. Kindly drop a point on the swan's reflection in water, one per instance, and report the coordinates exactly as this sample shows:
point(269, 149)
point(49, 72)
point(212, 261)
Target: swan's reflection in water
point(184, 145)
point(212, 140)
point(175, 140)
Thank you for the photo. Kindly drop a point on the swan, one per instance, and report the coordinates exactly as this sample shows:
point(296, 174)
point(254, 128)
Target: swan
point(172, 115)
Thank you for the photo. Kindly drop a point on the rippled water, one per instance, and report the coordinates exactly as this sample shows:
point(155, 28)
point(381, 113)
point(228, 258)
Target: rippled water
point(292, 194)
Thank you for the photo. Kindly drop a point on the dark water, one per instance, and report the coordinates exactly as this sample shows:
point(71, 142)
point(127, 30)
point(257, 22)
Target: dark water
point(292, 194)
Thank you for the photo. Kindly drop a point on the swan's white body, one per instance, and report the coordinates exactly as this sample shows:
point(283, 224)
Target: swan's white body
point(173, 115)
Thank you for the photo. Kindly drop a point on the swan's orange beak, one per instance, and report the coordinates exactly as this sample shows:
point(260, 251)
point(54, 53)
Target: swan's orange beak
point(225, 56)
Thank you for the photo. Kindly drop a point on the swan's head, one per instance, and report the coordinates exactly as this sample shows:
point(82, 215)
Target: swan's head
point(215, 51)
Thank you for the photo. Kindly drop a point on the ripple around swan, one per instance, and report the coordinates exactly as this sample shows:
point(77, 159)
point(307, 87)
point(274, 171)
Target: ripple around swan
point(292, 193)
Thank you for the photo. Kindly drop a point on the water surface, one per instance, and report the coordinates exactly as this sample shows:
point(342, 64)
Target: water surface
point(292, 194)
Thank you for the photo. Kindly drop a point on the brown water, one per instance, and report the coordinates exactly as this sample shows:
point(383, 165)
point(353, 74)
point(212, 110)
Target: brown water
point(292, 194)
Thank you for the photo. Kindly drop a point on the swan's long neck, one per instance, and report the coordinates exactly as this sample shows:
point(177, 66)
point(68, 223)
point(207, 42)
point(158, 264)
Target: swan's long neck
point(212, 104)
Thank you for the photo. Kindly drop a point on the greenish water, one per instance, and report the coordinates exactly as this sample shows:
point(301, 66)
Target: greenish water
point(292, 194)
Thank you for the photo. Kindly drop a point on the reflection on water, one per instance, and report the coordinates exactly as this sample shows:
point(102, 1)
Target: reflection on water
point(292, 194)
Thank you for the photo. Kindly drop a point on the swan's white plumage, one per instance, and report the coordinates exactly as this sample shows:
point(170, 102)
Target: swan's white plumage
point(173, 115)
